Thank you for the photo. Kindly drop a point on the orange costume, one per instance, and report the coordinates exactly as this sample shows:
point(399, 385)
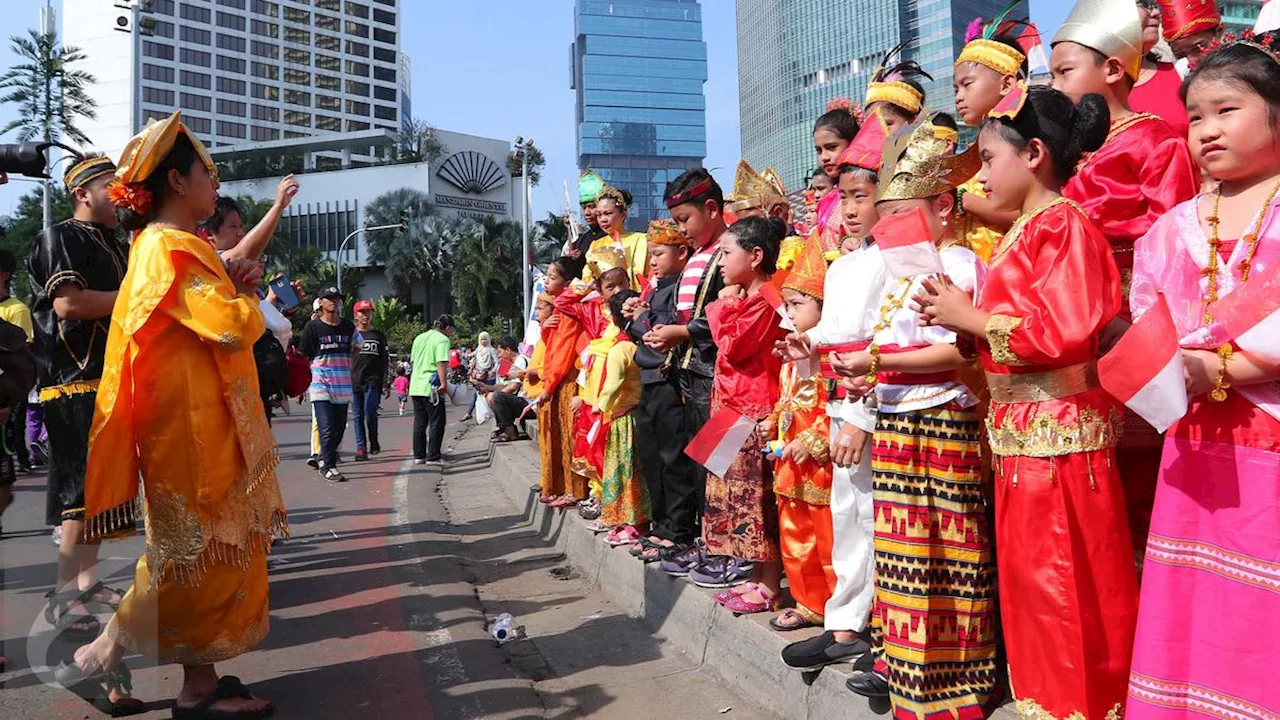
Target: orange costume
point(804, 489)
point(593, 316)
point(178, 406)
point(555, 420)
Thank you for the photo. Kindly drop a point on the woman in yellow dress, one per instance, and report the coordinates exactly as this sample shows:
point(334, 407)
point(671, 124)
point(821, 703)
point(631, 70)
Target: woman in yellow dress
point(178, 406)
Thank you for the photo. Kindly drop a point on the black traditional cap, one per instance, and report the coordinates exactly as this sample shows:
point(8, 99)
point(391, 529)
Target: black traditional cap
point(86, 170)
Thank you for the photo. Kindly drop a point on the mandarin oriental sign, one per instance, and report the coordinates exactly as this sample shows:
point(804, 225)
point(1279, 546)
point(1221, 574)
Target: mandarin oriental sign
point(471, 204)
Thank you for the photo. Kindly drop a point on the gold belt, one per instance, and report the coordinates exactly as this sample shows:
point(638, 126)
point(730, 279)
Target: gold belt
point(1039, 387)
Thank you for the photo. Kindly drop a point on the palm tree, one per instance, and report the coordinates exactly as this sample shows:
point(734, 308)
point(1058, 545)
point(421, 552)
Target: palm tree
point(486, 271)
point(551, 233)
point(49, 93)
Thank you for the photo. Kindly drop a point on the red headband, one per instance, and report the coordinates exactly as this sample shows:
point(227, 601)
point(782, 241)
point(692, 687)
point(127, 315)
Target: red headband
point(691, 194)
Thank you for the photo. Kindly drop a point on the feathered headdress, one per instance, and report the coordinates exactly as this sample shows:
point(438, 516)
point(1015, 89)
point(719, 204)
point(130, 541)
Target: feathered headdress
point(888, 83)
point(981, 46)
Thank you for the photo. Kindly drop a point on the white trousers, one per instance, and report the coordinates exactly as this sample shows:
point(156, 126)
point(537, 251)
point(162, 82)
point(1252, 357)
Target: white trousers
point(853, 554)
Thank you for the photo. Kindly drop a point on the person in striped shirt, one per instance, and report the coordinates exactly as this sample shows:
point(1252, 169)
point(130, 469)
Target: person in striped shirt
point(329, 341)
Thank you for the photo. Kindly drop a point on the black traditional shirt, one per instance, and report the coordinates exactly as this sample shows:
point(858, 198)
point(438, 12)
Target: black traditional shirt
point(90, 256)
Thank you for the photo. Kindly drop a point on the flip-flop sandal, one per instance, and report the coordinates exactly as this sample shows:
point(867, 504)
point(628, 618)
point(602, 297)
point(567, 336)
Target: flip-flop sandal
point(651, 555)
point(777, 623)
point(57, 612)
point(229, 687)
point(90, 688)
point(99, 587)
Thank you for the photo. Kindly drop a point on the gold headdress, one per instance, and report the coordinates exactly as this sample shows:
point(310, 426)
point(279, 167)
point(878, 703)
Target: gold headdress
point(808, 274)
point(144, 153)
point(752, 190)
point(919, 163)
point(775, 179)
point(86, 171)
point(981, 47)
point(888, 83)
point(615, 195)
point(1111, 27)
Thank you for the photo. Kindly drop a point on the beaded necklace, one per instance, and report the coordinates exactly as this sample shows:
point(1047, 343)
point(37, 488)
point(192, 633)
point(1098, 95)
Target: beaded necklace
point(1215, 245)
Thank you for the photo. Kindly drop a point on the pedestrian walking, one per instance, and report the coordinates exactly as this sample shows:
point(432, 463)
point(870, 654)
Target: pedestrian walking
point(368, 380)
point(329, 340)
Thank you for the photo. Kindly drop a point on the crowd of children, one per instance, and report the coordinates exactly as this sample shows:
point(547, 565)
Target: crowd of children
point(895, 403)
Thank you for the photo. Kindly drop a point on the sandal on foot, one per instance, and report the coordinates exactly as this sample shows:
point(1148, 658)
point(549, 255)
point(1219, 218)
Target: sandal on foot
point(740, 605)
point(790, 619)
point(57, 612)
point(229, 687)
point(723, 596)
point(95, 688)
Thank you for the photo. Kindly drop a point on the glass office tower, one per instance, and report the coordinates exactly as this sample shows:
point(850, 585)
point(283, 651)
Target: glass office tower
point(1239, 15)
point(795, 56)
point(638, 67)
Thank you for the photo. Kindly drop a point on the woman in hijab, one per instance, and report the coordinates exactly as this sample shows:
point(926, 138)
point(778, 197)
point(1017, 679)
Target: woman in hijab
point(484, 367)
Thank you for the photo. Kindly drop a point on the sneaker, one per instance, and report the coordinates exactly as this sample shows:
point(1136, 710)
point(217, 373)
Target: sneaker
point(822, 650)
point(362, 456)
point(869, 685)
point(314, 461)
point(679, 564)
point(374, 448)
point(333, 476)
point(419, 461)
point(720, 571)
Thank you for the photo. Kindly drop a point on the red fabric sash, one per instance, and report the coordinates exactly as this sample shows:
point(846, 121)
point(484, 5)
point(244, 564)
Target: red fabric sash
point(824, 356)
point(906, 378)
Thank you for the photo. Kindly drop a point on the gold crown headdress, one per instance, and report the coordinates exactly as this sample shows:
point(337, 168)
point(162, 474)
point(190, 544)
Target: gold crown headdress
point(1111, 27)
point(919, 163)
point(613, 194)
point(142, 156)
point(752, 190)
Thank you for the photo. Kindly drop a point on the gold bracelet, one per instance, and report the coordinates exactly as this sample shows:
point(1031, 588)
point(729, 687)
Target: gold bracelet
point(1219, 392)
point(874, 370)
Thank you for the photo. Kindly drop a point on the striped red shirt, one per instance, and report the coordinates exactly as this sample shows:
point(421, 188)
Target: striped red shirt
point(690, 279)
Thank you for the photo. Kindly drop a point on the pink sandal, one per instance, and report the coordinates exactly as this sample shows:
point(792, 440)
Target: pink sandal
point(624, 535)
point(740, 605)
point(723, 596)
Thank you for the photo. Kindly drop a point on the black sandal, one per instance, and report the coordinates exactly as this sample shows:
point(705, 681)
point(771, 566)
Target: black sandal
point(95, 689)
point(776, 623)
point(229, 687)
point(57, 612)
point(99, 587)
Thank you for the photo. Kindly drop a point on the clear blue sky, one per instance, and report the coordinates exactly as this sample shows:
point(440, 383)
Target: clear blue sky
point(501, 68)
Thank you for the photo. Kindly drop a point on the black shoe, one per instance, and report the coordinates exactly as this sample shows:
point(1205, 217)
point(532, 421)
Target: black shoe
point(374, 448)
point(333, 476)
point(865, 663)
point(868, 684)
point(362, 456)
point(822, 650)
point(314, 461)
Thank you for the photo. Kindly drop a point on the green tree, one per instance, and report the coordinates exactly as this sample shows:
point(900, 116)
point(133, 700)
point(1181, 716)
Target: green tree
point(537, 161)
point(421, 251)
point(486, 272)
point(24, 228)
point(550, 236)
point(417, 141)
point(50, 94)
point(389, 311)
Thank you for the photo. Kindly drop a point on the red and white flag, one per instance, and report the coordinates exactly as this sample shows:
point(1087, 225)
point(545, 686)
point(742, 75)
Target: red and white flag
point(594, 432)
point(769, 291)
point(1033, 47)
point(906, 244)
point(1251, 317)
point(719, 441)
point(1144, 370)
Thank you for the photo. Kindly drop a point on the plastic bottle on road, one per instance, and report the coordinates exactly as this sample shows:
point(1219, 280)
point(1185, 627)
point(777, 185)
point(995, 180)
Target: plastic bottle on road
point(503, 628)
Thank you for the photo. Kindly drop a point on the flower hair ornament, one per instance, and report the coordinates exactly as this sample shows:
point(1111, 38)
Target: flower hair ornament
point(847, 105)
point(133, 196)
point(1264, 43)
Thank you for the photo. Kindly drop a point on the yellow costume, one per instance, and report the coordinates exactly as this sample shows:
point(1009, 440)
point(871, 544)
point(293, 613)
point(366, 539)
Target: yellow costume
point(178, 406)
point(977, 235)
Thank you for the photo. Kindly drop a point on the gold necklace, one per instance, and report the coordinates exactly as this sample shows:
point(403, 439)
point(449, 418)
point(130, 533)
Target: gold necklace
point(891, 308)
point(1215, 245)
point(1015, 231)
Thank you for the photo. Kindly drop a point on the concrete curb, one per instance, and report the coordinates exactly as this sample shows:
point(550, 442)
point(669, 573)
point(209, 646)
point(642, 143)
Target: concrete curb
point(743, 650)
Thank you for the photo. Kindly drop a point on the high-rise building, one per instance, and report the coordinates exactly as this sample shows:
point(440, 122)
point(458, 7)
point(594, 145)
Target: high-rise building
point(638, 69)
point(795, 56)
point(241, 70)
point(1239, 15)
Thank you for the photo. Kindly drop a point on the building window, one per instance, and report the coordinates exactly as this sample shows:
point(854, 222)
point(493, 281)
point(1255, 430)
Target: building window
point(230, 21)
point(198, 124)
point(292, 134)
point(383, 112)
point(157, 50)
point(357, 125)
point(195, 35)
point(231, 64)
point(325, 42)
point(297, 57)
point(231, 86)
point(384, 36)
point(264, 28)
point(328, 82)
point(195, 57)
point(324, 62)
point(334, 5)
point(195, 13)
point(356, 48)
point(231, 107)
point(332, 124)
point(262, 134)
point(156, 96)
point(263, 70)
point(270, 9)
point(384, 73)
point(357, 9)
point(384, 93)
point(297, 77)
point(297, 97)
point(357, 29)
point(164, 7)
point(265, 92)
point(357, 88)
point(293, 14)
point(231, 42)
point(392, 3)
point(294, 35)
point(263, 112)
point(324, 102)
point(195, 80)
point(162, 29)
point(324, 22)
point(159, 73)
point(191, 101)
point(231, 129)
point(357, 68)
point(297, 117)
point(237, 4)
point(383, 16)
point(266, 50)
point(357, 108)
point(384, 55)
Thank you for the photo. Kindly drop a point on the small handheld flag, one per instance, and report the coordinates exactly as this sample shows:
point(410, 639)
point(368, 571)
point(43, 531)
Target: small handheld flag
point(906, 244)
point(719, 441)
point(1145, 369)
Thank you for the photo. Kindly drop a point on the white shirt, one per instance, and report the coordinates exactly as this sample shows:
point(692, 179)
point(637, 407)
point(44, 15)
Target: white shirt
point(1268, 17)
point(904, 330)
point(851, 300)
point(277, 323)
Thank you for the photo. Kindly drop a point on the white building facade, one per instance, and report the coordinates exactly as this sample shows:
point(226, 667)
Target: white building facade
point(242, 71)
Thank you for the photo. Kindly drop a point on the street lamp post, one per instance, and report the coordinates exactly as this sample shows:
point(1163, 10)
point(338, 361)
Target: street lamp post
point(523, 146)
point(342, 248)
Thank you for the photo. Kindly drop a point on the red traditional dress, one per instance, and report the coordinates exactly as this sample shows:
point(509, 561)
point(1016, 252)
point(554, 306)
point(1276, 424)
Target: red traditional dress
point(741, 517)
point(1068, 587)
point(555, 419)
point(1142, 172)
point(1160, 95)
point(1207, 625)
point(601, 333)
